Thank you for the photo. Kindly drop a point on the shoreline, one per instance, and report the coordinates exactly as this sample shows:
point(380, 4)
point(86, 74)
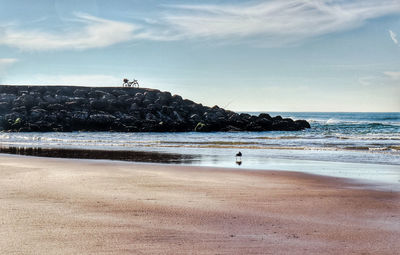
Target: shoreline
point(66, 206)
point(182, 159)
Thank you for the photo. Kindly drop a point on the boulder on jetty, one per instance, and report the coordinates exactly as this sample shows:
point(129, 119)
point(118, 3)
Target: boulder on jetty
point(71, 108)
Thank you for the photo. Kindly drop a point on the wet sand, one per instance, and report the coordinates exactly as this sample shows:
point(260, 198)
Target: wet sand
point(70, 206)
point(121, 155)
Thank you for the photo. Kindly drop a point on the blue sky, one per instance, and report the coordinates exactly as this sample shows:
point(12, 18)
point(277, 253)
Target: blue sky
point(294, 55)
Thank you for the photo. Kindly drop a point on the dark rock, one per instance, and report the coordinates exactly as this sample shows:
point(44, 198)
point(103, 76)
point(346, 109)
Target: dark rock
point(230, 128)
point(123, 98)
point(19, 109)
point(63, 90)
point(109, 97)
point(152, 107)
point(38, 114)
point(40, 126)
point(64, 108)
point(263, 122)
point(102, 118)
point(100, 94)
point(80, 116)
point(7, 98)
point(60, 99)
point(98, 104)
point(72, 105)
point(178, 117)
point(302, 124)
point(49, 99)
point(4, 107)
point(134, 107)
point(25, 100)
point(284, 125)
point(265, 116)
point(146, 102)
point(150, 95)
point(165, 98)
point(245, 116)
point(194, 118)
point(55, 107)
point(80, 93)
point(177, 98)
point(150, 117)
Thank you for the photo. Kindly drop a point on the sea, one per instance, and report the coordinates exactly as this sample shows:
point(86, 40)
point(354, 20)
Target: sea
point(361, 146)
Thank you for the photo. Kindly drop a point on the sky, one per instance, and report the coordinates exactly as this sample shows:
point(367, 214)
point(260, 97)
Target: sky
point(276, 55)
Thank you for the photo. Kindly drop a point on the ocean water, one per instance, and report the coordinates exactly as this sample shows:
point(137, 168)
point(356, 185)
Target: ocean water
point(353, 145)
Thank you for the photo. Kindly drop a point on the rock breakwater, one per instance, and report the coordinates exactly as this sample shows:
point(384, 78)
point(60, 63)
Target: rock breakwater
point(71, 108)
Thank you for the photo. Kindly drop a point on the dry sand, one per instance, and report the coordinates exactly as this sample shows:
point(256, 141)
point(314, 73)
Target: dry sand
point(65, 206)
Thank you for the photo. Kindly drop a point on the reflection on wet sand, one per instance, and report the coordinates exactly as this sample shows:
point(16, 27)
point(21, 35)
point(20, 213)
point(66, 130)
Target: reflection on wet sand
point(137, 156)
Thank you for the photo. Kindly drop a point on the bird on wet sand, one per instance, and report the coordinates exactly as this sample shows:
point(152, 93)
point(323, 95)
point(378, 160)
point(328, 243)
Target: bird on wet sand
point(238, 157)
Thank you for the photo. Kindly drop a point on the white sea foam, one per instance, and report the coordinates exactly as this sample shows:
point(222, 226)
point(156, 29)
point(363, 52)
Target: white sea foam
point(332, 121)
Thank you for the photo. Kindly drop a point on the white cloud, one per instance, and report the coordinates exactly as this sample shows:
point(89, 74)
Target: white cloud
point(393, 35)
point(5, 63)
point(271, 23)
point(95, 33)
point(276, 22)
point(368, 81)
point(393, 75)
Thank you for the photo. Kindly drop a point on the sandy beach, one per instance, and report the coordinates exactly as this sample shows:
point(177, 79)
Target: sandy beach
point(67, 206)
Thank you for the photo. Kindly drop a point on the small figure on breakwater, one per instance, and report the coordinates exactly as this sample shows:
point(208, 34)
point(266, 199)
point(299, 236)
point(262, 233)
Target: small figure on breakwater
point(239, 158)
point(127, 83)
